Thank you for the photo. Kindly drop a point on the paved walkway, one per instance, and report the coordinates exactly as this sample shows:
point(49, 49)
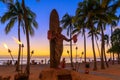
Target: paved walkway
point(112, 76)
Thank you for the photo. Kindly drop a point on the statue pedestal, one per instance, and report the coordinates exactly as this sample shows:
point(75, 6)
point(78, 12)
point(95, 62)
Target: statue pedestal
point(58, 74)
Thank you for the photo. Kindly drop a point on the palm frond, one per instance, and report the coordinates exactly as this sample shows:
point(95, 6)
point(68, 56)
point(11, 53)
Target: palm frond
point(6, 17)
point(35, 24)
point(10, 25)
point(31, 30)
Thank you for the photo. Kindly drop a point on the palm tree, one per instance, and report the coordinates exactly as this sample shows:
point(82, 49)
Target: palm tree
point(80, 27)
point(7, 1)
point(96, 40)
point(109, 15)
point(30, 22)
point(115, 39)
point(68, 24)
point(93, 33)
point(89, 10)
point(27, 38)
point(13, 15)
point(96, 34)
point(113, 25)
point(106, 39)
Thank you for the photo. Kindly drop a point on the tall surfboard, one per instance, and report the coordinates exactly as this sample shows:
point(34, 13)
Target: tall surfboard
point(53, 26)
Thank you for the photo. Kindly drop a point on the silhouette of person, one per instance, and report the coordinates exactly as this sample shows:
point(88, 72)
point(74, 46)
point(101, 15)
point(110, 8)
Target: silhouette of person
point(63, 63)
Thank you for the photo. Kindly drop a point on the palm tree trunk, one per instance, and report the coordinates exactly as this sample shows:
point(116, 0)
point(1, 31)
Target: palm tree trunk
point(28, 41)
point(118, 58)
point(19, 51)
point(84, 44)
point(105, 58)
point(71, 48)
point(28, 53)
point(112, 45)
point(113, 58)
point(98, 47)
point(93, 47)
point(102, 49)
point(110, 52)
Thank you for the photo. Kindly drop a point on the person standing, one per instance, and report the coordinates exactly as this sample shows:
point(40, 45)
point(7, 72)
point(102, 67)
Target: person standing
point(63, 63)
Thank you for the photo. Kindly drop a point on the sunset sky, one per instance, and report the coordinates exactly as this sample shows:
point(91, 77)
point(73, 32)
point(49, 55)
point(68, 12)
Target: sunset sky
point(39, 42)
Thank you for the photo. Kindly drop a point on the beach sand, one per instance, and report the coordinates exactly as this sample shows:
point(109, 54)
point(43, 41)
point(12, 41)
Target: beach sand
point(111, 73)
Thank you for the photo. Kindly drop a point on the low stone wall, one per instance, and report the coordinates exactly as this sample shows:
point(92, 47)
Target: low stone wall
point(57, 74)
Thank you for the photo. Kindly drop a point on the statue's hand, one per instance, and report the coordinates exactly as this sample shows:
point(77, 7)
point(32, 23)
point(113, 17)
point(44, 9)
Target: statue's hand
point(49, 35)
point(74, 38)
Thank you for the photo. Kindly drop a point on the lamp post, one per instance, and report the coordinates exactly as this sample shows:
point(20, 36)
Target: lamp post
point(76, 53)
point(71, 59)
point(22, 45)
point(20, 55)
point(9, 51)
point(32, 52)
point(81, 55)
point(68, 54)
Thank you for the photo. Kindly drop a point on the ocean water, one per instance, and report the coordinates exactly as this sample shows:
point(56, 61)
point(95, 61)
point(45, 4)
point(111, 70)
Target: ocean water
point(7, 60)
point(41, 60)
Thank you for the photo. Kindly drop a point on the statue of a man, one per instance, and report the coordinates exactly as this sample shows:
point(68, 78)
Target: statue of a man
point(58, 47)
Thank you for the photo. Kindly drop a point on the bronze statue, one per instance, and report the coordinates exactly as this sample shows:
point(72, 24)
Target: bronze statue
point(56, 40)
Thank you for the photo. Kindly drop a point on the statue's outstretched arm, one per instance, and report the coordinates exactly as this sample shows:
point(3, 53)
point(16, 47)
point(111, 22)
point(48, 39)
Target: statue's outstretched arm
point(66, 39)
point(74, 38)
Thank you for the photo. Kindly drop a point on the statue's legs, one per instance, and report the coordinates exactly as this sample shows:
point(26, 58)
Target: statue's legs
point(53, 63)
point(58, 54)
point(55, 54)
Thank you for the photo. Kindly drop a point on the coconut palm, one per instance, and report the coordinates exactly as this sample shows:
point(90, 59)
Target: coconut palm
point(109, 15)
point(80, 27)
point(96, 34)
point(7, 1)
point(68, 24)
point(113, 25)
point(92, 34)
point(106, 39)
point(97, 10)
point(96, 40)
point(115, 39)
point(13, 15)
point(89, 10)
point(30, 22)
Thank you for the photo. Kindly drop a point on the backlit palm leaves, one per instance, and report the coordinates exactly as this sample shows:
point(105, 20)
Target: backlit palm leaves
point(13, 15)
point(19, 13)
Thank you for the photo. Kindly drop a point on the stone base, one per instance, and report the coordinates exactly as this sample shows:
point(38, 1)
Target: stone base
point(58, 74)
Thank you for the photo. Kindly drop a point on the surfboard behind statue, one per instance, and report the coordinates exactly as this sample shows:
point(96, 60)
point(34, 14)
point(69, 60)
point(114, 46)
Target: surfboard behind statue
point(54, 21)
point(53, 26)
